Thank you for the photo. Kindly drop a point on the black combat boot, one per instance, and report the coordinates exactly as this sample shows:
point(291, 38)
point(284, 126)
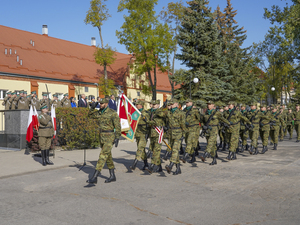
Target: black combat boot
point(237, 149)
point(250, 150)
point(43, 154)
point(220, 145)
point(145, 164)
point(233, 156)
point(297, 141)
point(148, 154)
point(264, 150)
point(217, 154)
point(158, 169)
point(178, 170)
point(224, 147)
point(247, 147)
point(112, 176)
point(280, 141)
point(255, 151)
point(229, 156)
point(205, 155)
point(166, 155)
point(197, 150)
point(93, 180)
point(133, 166)
point(47, 157)
point(193, 159)
point(181, 150)
point(214, 162)
point(150, 168)
point(275, 146)
point(242, 149)
point(185, 157)
point(169, 167)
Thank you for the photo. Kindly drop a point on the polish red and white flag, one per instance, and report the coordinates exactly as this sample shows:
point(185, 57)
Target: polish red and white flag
point(35, 119)
point(29, 134)
point(53, 117)
point(161, 134)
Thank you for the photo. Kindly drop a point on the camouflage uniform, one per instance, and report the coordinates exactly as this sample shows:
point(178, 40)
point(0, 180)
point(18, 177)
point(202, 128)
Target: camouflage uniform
point(278, 121)
point(109, 126)
point(244, 134)
point(140, 136)
point(289, 124)
point(283, 129)
point(264, 126)
point(297, 124)
point(254, 132)
point(192, 116)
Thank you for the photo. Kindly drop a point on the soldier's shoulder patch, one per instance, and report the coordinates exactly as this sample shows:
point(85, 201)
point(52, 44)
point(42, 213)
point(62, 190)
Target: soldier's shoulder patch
point(40, 117)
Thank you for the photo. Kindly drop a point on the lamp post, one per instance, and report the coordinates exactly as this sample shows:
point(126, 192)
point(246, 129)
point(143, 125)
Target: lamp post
point(273, 89)
point(195, 80)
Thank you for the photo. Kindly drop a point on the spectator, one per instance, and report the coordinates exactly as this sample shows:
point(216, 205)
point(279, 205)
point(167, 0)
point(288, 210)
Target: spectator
point(93, 103)
point(98, 105)
point(112, 103)
point(73, 102)
point(82, 102)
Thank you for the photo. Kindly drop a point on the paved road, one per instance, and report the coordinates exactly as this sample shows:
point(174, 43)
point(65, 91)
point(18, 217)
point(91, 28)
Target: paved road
point(262, 189)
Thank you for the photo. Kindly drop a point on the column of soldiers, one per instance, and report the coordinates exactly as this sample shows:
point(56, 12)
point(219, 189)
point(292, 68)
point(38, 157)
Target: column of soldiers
point(20, 100)
point(234, 125)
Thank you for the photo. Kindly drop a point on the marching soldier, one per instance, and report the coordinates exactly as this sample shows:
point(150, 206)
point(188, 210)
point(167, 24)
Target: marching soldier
point(276, 123)
point(6, 103)
point(264, 126)
point(290, 123)
point(140, 136)
point(221, 135)
point(225, 114)
point(108, 122)
point(297, 121)
point(55, 102)
point(192, 118)
point(23, 102)
point(65, 102)
point(234, 118)
point(34, 101)
point(243, 132)
point(254, 132)
point(210, 122)
point(177, 129)
point(167, 132)
point(45, 134)
point(283, 130)
point(156, 122)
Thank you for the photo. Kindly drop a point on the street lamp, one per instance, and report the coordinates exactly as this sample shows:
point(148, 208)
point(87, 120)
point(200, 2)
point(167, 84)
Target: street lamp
point(195, 80)
point(273, 89)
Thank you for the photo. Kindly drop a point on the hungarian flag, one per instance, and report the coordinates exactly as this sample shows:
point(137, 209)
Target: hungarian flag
point(29, 133)
point(130, 115)
point(35, 119)
point(53, 117)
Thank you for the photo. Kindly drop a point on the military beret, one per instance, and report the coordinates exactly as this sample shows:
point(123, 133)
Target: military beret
point(8, 93)
point(44, 106)
point(13, 93)
point(55, 95)
point(33, 92)
point(188, 100)
point(22, 92)
point(25, 92)
point(66, 94)
point(28, 96)
point(44, 94)
point(231, 103)
point(103, 100)
point(140, 102)
point(210, 102)
point(154, 102)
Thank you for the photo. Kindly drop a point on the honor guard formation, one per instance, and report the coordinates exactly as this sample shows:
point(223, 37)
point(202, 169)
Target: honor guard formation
point(233, 123)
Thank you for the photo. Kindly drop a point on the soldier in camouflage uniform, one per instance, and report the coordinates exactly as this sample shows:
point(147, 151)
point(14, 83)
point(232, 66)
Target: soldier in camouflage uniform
point(212, 130)
point(290, 123)
point(23, 102)
point(276, 123)
point(221, 134)
point(34, 101)
point(45, 134)
point(6, 103)
point(140, 136)
point(283, 130)
point(264, 126)
point(234, 117)
point(55, 102)
point(65, 102)
point(254, 131)
point(108, 122)
point(192, 119)
point(243, 132)
point(225, 114)
point(167, 132)
point(297, 121)
point(157, 118)
point(176, 120)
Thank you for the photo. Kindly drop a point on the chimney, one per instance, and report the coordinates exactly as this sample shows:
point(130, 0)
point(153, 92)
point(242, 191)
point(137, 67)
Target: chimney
point(45, 30)
point(93, 41)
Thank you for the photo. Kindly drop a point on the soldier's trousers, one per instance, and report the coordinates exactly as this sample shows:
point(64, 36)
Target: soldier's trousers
point(233, 138)
point(221, 135)
point(274, 133)
point(211, 139)
point(254, 136)
point(156, 148)
point(264, 135)
point(244, 137)
point(141, 144)
point(106, 143)
point(290, 129)
point(191, 141)
point(281, 132)
point(45, 143)
point(175, 150)
point(170, 143)
point(297, 128)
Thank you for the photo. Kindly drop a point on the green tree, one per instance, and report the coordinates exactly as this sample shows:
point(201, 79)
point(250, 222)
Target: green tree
point(96, 16)
point(201, 51)
point(143, 35)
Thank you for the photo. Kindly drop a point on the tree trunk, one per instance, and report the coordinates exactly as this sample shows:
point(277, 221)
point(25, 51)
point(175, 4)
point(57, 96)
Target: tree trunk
point(100, 34)
point(154, 85)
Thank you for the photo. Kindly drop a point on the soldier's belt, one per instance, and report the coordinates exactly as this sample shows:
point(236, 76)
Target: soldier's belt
point(106, 131)
point(44, 127)
point(193, 125)
point(173, 128)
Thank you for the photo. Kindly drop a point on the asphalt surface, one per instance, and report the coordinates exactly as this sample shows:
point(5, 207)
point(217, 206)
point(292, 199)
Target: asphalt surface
point(261, 189)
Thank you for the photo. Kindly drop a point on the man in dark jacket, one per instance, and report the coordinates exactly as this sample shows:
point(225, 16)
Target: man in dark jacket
point(112, 103)
point(82, 102)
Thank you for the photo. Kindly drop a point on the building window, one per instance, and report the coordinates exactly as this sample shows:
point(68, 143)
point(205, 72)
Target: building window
point(2, 94)
point(138, 94)
point(86, 89)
